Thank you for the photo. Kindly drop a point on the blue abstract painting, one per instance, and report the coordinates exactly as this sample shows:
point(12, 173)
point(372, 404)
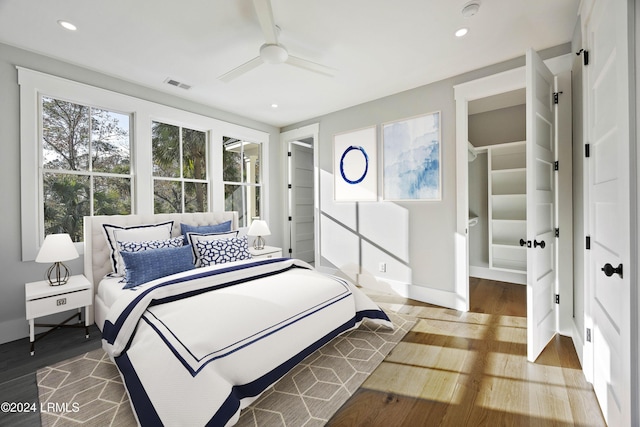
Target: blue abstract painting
point(411, 159)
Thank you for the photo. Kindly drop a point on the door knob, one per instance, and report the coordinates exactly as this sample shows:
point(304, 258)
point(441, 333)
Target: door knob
point(541, 243)
point(610, 269)
point(522, 242)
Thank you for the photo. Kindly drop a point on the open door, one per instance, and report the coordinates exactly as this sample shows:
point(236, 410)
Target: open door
point(301, 203)
point(541, 246)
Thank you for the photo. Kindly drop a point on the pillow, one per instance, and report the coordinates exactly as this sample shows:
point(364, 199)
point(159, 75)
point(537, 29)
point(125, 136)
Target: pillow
point(145, 266)
point(193, 238)
point(174, 242)
point(204, 229)
point(221, 251)
point(136, 233)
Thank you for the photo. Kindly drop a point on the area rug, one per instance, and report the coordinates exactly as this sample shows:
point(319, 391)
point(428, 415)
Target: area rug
point(87, 390)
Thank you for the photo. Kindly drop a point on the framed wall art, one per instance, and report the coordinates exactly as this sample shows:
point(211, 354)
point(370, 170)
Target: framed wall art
point(412, 159)
point(355, 166)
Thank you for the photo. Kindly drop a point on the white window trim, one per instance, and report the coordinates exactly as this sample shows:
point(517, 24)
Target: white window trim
point(34, 83)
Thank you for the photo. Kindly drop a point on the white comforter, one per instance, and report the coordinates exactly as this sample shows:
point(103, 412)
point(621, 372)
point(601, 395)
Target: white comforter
point(195, 348)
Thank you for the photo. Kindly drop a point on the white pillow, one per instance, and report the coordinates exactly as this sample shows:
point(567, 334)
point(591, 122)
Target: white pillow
point(194, 238)
point(136, 233)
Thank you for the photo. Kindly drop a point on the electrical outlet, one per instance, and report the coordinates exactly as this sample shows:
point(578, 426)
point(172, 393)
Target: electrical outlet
point(382, 267)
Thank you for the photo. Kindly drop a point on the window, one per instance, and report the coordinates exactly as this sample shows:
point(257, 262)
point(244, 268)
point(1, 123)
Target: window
point(90, 151)
point(242, 178)
point(86, 165)
point(179, 169)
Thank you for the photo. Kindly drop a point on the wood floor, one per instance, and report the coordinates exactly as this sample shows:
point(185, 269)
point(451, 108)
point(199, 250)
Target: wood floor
point(470, 369)
point(453, 369)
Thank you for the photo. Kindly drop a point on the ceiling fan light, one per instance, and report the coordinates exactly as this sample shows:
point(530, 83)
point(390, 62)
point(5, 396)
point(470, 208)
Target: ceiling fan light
point(273, 53)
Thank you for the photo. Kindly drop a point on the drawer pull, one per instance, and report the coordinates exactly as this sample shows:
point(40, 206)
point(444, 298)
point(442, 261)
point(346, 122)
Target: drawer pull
point(61, 301)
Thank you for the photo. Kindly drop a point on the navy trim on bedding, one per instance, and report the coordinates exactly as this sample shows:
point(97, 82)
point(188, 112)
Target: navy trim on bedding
point(371, 314)
point(145, 411)
point(231, 405)
point(251, 339)
point(110, 330)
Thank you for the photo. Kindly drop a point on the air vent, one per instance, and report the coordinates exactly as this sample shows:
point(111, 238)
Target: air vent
point(177, 84)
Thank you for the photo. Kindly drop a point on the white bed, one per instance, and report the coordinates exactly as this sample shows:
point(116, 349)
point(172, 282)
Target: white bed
point(97, 262)
point(195, 347)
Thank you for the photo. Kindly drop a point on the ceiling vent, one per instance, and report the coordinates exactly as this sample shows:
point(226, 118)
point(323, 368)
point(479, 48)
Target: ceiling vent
point(177, 84)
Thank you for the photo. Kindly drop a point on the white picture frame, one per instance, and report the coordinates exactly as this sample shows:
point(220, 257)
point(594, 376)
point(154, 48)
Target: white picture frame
point(355, 165)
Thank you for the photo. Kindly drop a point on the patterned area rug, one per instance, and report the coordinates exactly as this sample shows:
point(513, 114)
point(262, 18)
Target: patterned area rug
point(87, 390)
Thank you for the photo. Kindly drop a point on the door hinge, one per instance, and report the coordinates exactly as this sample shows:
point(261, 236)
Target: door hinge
point(557, 231)
point(557, 298)
point(290, 251)
point(556, 96)
point(289, 186)
point(289, 153)
point(556, 165)
point(588, 334)
point(585, 56)
point(588, 242)
point(586, 150)
point(290, 218)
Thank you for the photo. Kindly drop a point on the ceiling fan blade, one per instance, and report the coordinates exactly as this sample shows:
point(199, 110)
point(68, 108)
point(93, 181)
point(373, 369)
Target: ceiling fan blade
point(265, 16)
point(238, 71)
point(311, 66)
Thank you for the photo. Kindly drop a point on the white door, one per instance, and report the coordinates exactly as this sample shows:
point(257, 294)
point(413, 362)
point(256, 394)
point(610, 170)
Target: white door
point(541, 259)
point(609, 210)
point(301, 218)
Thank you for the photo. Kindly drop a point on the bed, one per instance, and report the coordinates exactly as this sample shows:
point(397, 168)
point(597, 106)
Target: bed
point(197, 346)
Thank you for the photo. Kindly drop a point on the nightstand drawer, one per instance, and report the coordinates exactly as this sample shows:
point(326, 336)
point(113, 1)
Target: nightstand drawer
point(58, 303)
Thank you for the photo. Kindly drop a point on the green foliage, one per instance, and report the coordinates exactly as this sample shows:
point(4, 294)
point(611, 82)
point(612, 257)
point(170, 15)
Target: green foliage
point(72, 136)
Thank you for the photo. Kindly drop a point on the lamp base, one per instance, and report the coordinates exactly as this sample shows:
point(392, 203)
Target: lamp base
point(58, 274)
point(258, 243)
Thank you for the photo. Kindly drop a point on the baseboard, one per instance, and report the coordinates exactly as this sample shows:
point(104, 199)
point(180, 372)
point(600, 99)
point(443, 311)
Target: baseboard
point(14, 329)
point(499, 275)
point(578, 342)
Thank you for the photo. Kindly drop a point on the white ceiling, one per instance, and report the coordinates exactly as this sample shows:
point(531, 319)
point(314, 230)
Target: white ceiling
point(377, 47)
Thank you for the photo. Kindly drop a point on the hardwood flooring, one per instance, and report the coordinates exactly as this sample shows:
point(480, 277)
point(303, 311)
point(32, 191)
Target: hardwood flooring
point(470, 369)
point(453, 369)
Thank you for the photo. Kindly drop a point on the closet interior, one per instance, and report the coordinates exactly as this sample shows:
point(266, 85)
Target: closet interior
point(497, 187)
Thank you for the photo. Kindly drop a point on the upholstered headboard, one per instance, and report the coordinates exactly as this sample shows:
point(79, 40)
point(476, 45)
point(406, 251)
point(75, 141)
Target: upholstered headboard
point(96, 251)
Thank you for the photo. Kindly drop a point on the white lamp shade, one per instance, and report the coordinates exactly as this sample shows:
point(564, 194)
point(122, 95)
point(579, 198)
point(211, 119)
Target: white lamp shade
point(259, 228)
point(57, 248)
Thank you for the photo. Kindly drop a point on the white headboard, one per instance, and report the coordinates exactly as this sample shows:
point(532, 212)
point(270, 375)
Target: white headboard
point(96, 251)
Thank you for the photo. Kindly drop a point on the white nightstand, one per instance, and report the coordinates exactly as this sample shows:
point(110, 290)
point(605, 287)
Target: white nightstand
point(43, 299)
point(267, 252)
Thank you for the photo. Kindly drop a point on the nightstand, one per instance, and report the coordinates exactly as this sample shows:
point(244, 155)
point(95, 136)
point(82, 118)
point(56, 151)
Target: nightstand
point(43, 300)
point(267, 252)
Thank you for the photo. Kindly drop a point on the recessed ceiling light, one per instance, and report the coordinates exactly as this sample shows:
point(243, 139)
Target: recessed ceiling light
point(461, 32)
point(67, 25)
point(274, 105)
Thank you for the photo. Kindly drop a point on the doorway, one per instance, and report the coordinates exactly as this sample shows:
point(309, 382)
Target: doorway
point(300, 177)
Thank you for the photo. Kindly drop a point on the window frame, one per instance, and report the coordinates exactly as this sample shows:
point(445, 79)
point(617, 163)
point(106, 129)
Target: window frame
point(34, 84)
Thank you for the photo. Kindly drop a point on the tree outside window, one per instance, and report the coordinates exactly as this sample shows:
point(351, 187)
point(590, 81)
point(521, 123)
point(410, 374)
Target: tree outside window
point(86, 165)
point(242, 178)
point(179, 169)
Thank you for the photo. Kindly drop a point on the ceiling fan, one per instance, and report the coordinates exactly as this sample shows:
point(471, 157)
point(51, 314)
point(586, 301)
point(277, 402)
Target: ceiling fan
point(272, 52)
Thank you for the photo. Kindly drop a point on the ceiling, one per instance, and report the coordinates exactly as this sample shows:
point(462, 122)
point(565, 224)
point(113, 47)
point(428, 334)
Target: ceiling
point(376, 47)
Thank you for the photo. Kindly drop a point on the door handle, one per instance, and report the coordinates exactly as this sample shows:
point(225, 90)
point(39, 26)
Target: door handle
point(541, 243)
point(522, 242)
point(610, 269)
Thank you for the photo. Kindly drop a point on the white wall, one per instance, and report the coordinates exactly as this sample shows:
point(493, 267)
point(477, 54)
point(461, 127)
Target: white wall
point(15, 272)
point(425, 229)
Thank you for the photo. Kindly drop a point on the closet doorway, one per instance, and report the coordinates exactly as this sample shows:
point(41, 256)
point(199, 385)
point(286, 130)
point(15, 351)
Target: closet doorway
point(497, 187)
point(540, 244)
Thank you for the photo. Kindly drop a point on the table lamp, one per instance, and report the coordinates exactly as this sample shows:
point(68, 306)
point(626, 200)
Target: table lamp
point(258, 228)
point(57, 248)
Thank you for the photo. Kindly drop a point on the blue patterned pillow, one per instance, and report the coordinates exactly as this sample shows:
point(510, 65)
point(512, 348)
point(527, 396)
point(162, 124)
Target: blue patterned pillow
point(204, 229)
point(174, 242)
point(145, 266)
point(221, 251)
